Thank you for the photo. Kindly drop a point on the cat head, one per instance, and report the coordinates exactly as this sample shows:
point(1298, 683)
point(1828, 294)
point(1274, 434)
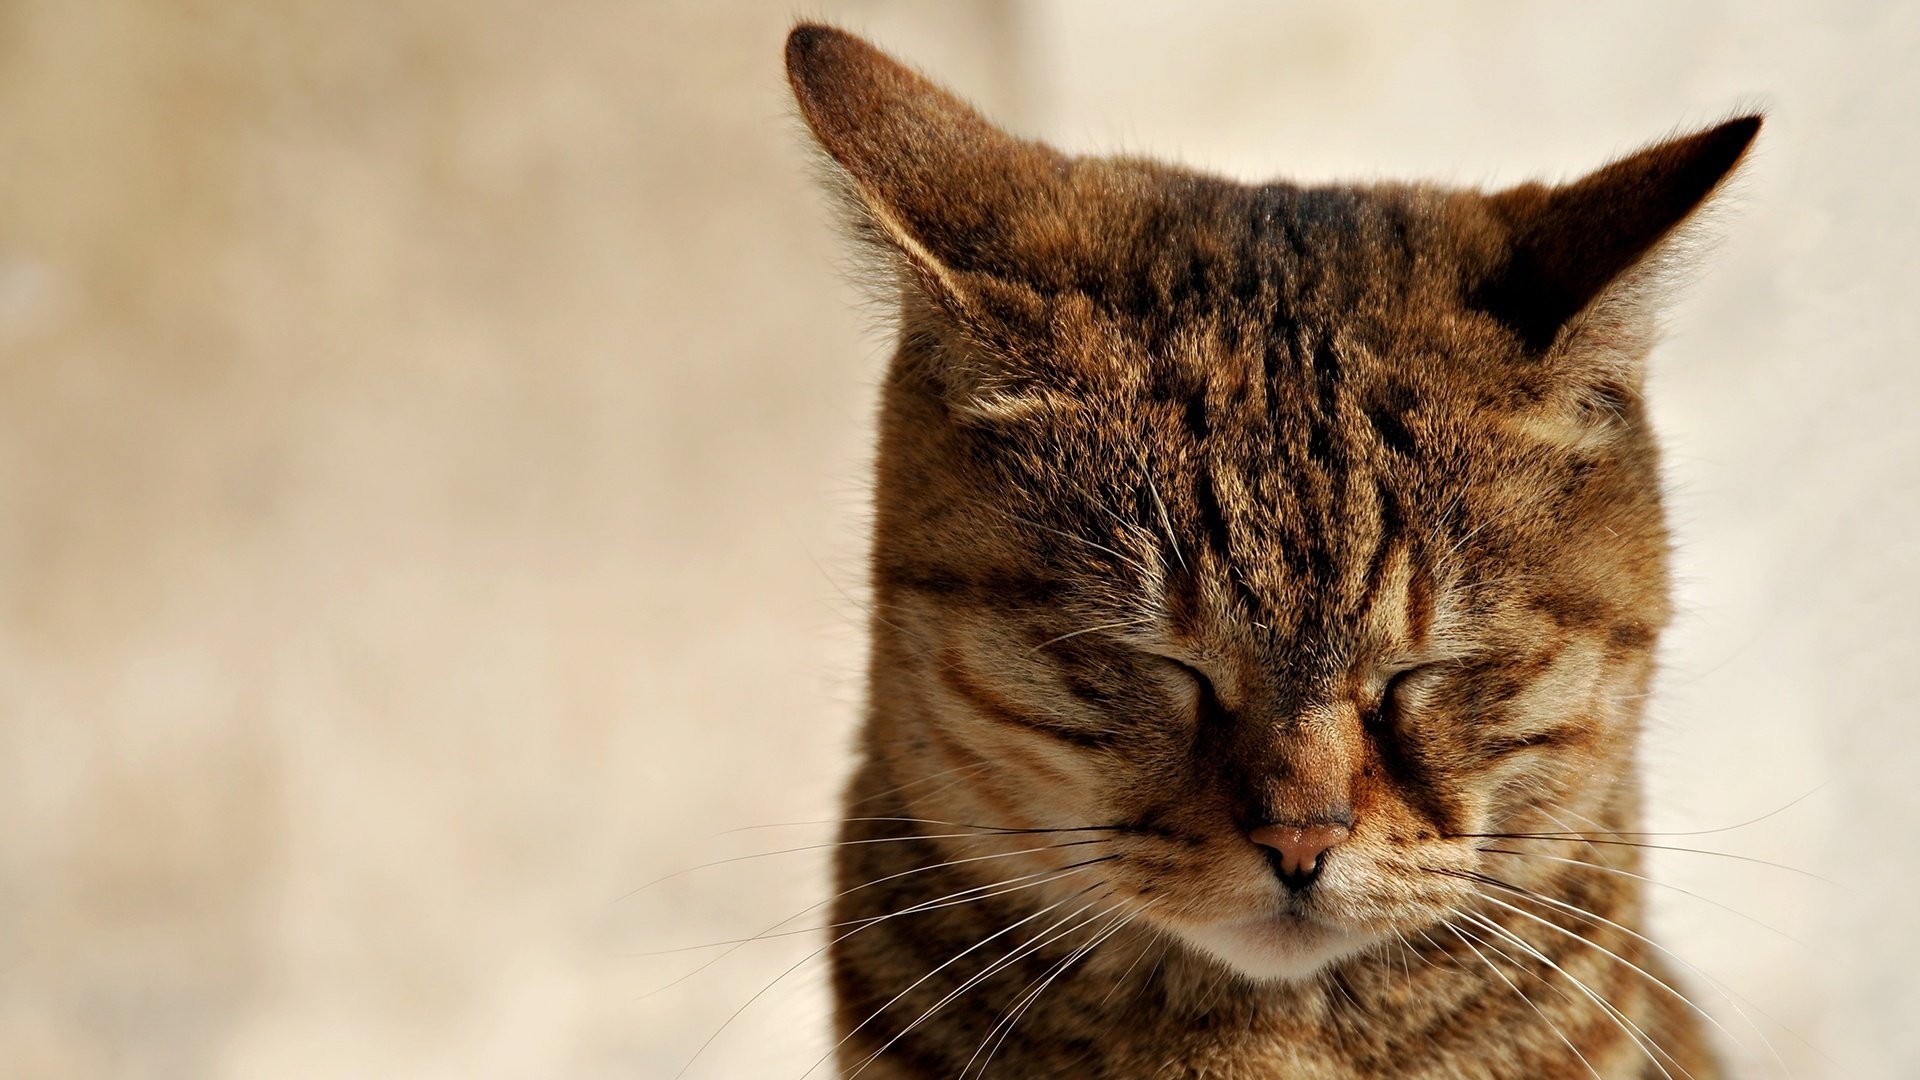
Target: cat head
point(1298, 537)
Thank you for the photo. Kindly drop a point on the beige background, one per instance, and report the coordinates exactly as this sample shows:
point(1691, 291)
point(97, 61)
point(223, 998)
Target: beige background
point(432, 453)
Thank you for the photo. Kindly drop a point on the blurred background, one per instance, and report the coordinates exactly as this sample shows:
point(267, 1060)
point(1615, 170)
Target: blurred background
point(433, 451)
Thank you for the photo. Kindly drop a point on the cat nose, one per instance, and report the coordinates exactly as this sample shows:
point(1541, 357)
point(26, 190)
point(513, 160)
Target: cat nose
point(1295, 850)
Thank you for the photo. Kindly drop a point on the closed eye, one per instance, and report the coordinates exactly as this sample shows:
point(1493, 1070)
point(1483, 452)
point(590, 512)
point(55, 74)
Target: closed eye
point(1207, 700)
point(1388, 709)
point(1206, 696)
point(1199, 677)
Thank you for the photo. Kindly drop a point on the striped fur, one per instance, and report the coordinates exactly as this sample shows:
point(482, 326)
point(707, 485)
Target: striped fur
point(1201, 505)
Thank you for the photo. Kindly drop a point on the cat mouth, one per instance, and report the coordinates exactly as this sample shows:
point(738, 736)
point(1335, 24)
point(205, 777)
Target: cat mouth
point(1285, 929)
point(1286, 944)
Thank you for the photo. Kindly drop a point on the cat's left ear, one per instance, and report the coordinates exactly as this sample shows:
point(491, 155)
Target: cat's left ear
point(1577, 255)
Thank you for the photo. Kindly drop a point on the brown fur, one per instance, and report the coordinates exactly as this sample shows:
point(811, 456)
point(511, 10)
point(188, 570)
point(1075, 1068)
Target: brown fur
point(1205, 505)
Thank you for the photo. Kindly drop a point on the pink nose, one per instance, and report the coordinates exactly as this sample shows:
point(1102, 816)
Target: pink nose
point(1299, 847)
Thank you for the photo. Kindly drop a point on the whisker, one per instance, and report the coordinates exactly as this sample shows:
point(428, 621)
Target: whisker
point(1154, 937)
point(975, 767)
point(1090, 630)
point(1437, 947)
point(1166, 522)
point(1215, 988)
point(1114, 926)
point(1523, 997)
point(1621, 1020)
point(1022, 997)
point(1477, 530)
point(1131, 528)
point(1075, 537)
point(1776, 812)
point(1616, 957)
point(950, 900)
point(964, 778)
point(1166, 945)
point(1727, 993)
point(983, 829)
point(1597, 853)
point(963, 771)
point(1019, 952)
point(881, 1011)
point(1605, 869)
point(1406, 969)
point(872, 611)
point(822, 949)
point(865, 885)
point(848, 843)
point(1151, 941)
point(1138, 531)
point(1446, 518)
point(1583, 838)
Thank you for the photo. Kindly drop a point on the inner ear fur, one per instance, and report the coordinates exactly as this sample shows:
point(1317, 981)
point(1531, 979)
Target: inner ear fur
point(1568, 246)
point(1584, 262)
point(926, 176)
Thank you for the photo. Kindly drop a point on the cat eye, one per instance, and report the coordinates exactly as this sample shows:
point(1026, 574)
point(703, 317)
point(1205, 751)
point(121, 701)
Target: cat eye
point(1203, 686)
point(1386, 710)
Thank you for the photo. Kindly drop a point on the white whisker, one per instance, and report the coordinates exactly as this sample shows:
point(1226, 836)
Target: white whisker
point(1621, 1020)
point(1020, 1007)
point(848, 892)
point(891, 1002)
point(1726, 993)
point(1603, 868)
point(1166, 522)
point(1027, 948)
point(1616, 957)
point(1457, 932)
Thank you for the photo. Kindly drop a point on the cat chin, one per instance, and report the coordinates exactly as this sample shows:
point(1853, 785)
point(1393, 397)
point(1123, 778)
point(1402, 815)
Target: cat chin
point(1278, 949)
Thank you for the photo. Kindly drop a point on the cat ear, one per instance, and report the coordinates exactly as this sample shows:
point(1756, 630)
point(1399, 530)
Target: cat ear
point(1574, 247)
point(940, 187)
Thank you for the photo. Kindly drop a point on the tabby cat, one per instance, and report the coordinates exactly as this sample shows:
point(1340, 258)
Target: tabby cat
point(1266, 582)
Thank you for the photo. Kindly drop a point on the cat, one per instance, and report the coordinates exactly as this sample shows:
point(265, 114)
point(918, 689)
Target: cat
point(1266, 581)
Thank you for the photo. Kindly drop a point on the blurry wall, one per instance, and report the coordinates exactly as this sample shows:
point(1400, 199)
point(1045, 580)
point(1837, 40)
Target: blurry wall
point(432, 454)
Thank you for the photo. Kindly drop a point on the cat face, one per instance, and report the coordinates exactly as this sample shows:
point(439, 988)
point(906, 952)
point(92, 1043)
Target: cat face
point(1284, 541)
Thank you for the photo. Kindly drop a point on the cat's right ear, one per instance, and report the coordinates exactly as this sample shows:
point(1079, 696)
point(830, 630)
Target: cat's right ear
point(938, 189)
